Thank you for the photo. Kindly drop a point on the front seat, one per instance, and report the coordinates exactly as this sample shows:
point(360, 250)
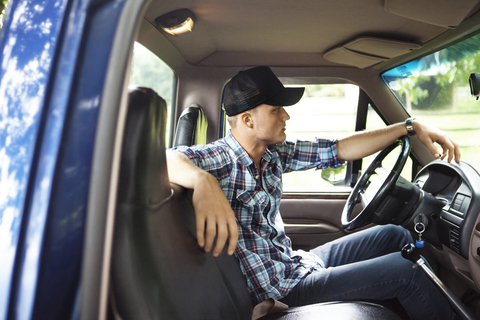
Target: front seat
point(158, 270)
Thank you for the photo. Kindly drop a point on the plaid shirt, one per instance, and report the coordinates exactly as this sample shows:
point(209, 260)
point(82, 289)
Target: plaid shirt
point(269, 264)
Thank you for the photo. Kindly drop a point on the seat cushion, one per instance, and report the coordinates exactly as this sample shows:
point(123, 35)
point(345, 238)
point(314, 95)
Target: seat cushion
point(335, 311)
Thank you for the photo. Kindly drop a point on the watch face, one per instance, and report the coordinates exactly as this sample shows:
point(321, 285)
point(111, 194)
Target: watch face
point(410, 130)
point(409, 125)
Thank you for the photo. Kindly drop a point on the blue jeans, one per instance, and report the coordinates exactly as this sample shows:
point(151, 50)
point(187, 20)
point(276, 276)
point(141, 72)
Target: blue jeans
point(367, 265)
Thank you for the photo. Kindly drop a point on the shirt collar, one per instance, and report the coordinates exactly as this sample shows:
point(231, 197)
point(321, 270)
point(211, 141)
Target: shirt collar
point(238, 150)
point(241, 154)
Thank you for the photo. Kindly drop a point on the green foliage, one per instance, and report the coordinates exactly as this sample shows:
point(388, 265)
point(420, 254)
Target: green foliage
point(411, 89)
point(3, 5)
point(438, 75)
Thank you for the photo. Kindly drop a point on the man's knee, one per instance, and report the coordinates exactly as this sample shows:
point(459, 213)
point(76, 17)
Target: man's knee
point(397, 233)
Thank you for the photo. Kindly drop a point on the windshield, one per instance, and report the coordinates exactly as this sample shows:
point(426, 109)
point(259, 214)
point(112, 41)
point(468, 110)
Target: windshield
point(435, 88)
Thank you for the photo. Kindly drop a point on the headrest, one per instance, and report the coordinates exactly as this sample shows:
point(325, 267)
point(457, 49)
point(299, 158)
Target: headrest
point(191, 127)
point(144, 168)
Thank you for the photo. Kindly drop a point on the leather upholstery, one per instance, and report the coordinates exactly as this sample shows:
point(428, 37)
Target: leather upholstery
point(158, 269)
point(336, 311)
point(191, 127)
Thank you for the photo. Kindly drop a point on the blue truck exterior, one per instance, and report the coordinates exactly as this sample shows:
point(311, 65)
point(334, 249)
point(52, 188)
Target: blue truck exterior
point(54, 61)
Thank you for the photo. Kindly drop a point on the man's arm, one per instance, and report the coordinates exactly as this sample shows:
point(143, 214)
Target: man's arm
point(214, 216)
point(365, 143)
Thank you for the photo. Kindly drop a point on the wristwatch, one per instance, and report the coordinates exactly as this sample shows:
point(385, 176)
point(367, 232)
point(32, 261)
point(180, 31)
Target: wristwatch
point(409, 123)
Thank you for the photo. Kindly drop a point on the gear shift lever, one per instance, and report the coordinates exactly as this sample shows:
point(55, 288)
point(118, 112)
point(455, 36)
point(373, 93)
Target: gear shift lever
point(409, 252)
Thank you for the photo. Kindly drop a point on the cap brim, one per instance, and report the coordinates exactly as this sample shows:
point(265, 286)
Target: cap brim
point(286, 97)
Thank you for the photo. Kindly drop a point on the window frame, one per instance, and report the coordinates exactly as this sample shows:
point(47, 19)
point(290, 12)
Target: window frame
point(353, 168)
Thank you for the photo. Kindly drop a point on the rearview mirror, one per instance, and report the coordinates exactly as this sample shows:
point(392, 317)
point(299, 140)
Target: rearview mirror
point(474, 81)
point(334, 176)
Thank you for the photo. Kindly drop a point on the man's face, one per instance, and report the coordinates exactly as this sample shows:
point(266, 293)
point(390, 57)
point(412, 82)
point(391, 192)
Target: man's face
point(270, 123)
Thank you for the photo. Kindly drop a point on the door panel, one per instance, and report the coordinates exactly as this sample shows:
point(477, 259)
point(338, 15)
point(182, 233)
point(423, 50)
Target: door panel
point(312, 220)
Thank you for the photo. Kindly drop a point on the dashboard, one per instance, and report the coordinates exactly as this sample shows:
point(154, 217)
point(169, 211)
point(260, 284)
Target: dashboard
point(457, 225)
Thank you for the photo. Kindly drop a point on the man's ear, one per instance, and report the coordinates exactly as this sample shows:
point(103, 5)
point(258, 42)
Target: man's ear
point(247, 119)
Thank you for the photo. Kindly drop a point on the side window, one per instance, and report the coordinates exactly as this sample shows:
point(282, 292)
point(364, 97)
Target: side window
point(330, 111)
point(375, 122)
point(325, 111)
point(150, 71)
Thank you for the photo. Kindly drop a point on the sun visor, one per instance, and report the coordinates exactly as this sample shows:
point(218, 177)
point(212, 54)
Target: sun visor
point(368, 51)
point(444, 13)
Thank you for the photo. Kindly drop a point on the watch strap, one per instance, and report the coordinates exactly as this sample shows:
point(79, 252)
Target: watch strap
point(409, 124)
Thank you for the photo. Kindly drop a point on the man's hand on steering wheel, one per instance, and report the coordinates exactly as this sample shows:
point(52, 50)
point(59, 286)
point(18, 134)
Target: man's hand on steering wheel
point(371, 195)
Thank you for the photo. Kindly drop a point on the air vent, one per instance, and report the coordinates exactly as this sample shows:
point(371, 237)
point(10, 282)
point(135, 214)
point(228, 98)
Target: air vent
point(455, 239)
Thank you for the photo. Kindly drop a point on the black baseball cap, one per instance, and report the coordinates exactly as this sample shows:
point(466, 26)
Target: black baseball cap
point(253, 87)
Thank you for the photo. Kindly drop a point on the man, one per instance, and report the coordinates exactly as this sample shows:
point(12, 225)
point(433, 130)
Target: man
point(237, 191)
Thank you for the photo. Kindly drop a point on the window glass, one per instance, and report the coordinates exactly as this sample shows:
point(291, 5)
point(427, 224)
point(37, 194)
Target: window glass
point(325, 111)
point(435, 88)
point(329, 111)
point(375, 122)
point(3, 7)
point(150, 71)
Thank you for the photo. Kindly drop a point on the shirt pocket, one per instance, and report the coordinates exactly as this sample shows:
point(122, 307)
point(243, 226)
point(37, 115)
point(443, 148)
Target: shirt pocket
point(252, 204)
point(273, 180)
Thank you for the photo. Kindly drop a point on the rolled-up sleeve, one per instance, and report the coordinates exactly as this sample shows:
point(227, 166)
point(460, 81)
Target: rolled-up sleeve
point(211, 159)
point(190, 153)
point(303, 155)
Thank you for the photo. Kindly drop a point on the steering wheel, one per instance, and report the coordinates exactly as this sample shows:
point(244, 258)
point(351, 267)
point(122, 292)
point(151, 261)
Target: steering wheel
point(372, 194)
